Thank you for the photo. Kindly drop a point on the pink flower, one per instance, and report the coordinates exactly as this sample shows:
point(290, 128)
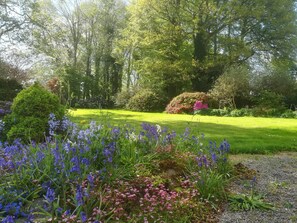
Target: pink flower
point(199, 105)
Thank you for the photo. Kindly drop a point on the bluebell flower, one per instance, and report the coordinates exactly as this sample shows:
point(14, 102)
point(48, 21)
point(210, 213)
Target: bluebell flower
point(169, 137)
point(65, 124)
point(115, 132)
point(53, 124)
point(186, 134)
point(2, 163)
point(151, 131)
point(76, 165)
point(67, 212)
point(10, 164)
point(59, 210)
point(85, 161)
point(81, 135)
point(79, 196)
point(58, 161)
point(40, 156)
point(30, 219)
point(83, 216)
point(90, 178)
point(8, 219)
point(50, 195)
point(214, 157)
point(202, 161)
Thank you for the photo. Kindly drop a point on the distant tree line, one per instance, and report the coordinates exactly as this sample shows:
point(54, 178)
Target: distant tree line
point(104, 52)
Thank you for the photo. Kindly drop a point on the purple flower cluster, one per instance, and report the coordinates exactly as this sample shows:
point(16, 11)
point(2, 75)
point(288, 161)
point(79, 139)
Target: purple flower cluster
point(58, 125)
point(50, 195)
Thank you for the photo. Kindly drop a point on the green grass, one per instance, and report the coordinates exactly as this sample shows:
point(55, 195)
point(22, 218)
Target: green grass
point(245, 134)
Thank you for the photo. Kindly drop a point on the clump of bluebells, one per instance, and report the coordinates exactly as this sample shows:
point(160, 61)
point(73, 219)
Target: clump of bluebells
point(108, 174)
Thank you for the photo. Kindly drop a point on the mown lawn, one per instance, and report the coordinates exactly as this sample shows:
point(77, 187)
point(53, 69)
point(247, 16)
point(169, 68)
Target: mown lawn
point(245, 134)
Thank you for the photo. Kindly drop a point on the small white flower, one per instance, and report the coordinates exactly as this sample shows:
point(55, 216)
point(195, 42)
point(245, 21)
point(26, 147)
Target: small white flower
point(159, 129)
point(132, 137)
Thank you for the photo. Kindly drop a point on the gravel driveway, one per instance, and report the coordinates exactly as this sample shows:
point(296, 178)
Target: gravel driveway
point(276, 180)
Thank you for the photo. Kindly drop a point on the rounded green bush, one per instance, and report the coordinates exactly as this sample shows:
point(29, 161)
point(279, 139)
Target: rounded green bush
point(122, 98)
point(30, 112)
point(184, 102)
point(145, 101)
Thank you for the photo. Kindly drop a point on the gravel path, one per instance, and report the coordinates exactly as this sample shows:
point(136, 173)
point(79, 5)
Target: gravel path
point(276, 180)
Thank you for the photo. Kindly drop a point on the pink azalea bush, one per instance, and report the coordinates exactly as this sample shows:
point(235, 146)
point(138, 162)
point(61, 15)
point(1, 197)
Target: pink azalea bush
point(184, 102)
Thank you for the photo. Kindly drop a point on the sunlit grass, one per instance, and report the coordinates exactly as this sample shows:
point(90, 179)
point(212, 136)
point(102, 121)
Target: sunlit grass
point(245, 134)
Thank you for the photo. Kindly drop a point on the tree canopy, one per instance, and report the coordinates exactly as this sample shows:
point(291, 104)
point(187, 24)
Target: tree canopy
point(97, 48)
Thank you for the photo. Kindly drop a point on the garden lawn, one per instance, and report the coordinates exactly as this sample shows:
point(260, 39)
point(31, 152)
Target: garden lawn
point(245, 134)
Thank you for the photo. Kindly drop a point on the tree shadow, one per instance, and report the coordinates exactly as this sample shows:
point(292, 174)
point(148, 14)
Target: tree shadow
point(242, 140)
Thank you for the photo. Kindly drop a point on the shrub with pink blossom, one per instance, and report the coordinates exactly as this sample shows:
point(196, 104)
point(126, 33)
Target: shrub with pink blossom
point(184, 103)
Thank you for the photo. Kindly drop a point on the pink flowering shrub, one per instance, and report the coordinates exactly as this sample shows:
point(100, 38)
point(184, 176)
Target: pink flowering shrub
point(199, 107)
point(184, 102)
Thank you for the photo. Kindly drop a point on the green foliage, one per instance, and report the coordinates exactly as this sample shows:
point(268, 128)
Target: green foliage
point(234, 82)
point(122, 98)
point(269, 100)
point(211, 185)
point(184, 102)
point(30, 128)
point(30, 111)
point(146, 100)
point(219, 112)
point(248, 202)
point(186, 44)
point(289, 114)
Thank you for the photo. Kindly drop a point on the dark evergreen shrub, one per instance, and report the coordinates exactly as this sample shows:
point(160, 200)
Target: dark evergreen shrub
point(9, 88)
point(146, 100)
point(30, 112)
point(184, 102)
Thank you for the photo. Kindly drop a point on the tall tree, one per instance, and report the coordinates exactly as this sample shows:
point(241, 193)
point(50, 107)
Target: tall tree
point(159, 45)
point(79, 36)
point(216, 33)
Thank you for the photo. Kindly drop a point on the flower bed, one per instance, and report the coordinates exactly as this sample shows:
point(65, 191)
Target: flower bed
point(113, 174)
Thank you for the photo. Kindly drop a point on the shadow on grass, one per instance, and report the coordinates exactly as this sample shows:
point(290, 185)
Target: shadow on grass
point(242, 140)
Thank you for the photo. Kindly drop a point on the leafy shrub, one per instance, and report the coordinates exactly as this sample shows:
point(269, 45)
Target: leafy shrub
point(270, 100)
point(219, 112)
point(232, 84)
point(289, 114)
point(146, 100)
point(30, 111)
point(266, 112)
point(122, 98)
point(237, 113)
point(184, 102)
